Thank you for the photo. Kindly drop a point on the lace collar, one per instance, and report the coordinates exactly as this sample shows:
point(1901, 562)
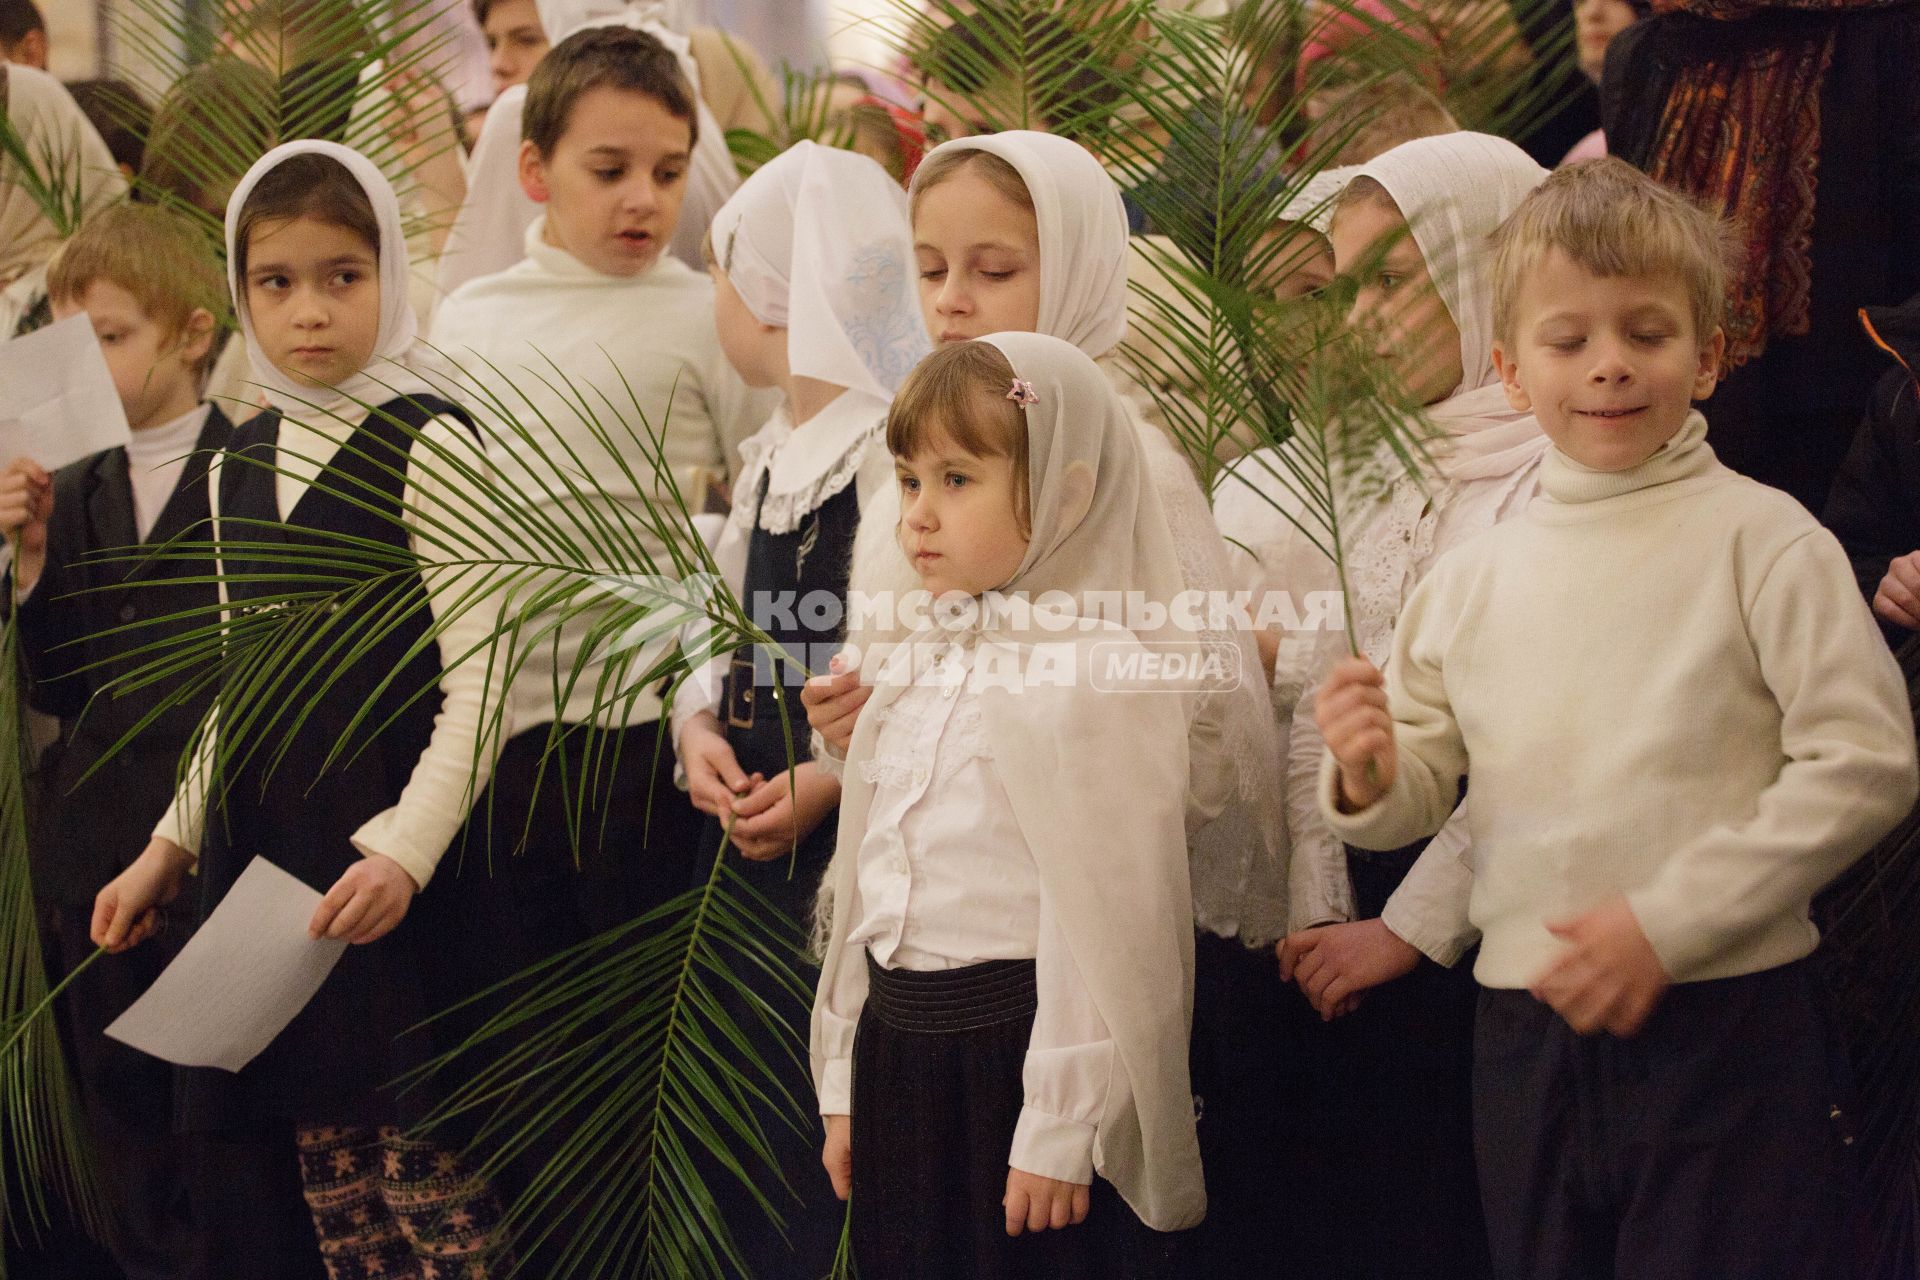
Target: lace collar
point(808, 464)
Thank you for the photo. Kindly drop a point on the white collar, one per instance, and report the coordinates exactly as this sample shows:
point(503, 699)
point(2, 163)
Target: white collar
point(808, 464)
point(169, 440)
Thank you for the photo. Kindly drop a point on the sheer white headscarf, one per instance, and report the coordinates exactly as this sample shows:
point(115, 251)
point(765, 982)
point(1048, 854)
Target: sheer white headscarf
point(489, 231)
point(817, 242)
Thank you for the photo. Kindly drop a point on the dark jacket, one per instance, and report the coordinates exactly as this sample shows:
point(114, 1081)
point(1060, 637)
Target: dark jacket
point(1874, 508)
point(77, 629)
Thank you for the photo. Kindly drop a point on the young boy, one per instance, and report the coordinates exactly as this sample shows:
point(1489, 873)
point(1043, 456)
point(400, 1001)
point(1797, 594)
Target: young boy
point(153, 290)
point(1680, 723)
point(597, 317)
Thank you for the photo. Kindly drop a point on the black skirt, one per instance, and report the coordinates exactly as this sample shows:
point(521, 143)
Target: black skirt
point(937, 1092)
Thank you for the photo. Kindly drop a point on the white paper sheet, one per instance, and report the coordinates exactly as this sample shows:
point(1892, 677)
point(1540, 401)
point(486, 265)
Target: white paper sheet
point(239, 981)
point(57, 402)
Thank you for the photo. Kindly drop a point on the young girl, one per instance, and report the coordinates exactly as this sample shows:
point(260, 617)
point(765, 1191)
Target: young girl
point(1024, 232)
point(318, 269)
point(1393, 1162)
point(1011, 857)
point(813, 295)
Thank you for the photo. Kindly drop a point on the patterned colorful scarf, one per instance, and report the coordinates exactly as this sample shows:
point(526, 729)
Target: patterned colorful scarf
point(1741, 131)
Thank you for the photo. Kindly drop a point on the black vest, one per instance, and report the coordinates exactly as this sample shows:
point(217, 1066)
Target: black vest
point(85, 616)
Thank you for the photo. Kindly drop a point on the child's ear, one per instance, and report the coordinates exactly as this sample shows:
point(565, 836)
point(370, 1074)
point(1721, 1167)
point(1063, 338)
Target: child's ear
point(1509, 371)
point(533, 173)
point(196, 336)
point(1708, 376)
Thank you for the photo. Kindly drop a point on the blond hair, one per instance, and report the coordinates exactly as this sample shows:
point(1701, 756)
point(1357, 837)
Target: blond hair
point(996, 171)
point(959, 394)
point(1372, 118)
point(1613, 221)
point(156, 254)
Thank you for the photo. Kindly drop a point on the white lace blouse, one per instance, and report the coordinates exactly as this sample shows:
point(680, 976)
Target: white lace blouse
point(1389, 551)
point(946, 879)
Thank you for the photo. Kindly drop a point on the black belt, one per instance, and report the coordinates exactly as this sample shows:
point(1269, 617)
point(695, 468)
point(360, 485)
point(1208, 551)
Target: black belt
point(949, 1000)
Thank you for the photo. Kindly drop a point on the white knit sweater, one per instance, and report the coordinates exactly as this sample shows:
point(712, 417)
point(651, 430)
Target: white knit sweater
point(1665, 685)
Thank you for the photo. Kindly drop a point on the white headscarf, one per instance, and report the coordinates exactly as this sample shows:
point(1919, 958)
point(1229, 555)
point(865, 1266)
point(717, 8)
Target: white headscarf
point(1083, 233)
point(1096, 779)
point(64, 148)
point(817, 242)
point(1314, 201)
point(489, 230)
point(1455, 190)
point(401, 364)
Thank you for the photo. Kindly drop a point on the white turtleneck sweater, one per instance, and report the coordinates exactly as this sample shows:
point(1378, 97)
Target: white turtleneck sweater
point(1668, 687)
point(642, 353)
point(156, 457)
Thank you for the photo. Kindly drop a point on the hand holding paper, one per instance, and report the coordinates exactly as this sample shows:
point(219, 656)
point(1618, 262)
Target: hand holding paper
point(239, 981)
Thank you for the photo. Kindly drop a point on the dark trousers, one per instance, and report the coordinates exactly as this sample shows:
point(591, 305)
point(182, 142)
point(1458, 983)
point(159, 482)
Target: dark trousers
point(1709, 1146)
point(937, 1092)
point(249, 1207)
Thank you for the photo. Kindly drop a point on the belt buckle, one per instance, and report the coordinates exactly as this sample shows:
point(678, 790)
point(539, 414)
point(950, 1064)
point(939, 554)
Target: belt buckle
point(740, 690)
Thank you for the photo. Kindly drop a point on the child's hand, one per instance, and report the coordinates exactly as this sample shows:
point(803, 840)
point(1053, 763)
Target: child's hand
point(770, 820)
point(125, 913)
point(714, 779)
point(833, 704)
point(837, 1154)
point(1898, 598)
point(26, 501)
point(1351, 710)
point(1609, 978)
point(366, 903)
point(1034, 1203)
point(1336, 963)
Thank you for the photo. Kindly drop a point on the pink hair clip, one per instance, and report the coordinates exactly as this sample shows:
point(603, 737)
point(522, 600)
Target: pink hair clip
point(1022, 392)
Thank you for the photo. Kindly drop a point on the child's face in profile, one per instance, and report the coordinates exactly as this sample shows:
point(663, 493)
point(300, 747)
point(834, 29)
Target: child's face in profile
point(313, 296)
point(1395, 301)
point(515, 41)
point(1609, 365)
point(1299, 261)
point(750, 347)
point(614, 183)
point(959, 523)
point(153, 369)
point(979, 259)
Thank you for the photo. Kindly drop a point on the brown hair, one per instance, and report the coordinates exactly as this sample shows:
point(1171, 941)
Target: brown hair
point(1365, 191)
point(1372, 118)
point(959, 394)
point(994, 170)
point(308, 185)
point(157, 255)
point(205, 132)
point(609, 57)
point(1614, 221)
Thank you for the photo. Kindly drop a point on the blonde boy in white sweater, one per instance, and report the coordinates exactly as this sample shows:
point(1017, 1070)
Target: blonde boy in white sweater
point(1680, 723)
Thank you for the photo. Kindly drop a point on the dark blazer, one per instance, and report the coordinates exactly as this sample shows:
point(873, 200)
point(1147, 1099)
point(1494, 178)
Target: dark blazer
point(1874, 508)
point(76, 631)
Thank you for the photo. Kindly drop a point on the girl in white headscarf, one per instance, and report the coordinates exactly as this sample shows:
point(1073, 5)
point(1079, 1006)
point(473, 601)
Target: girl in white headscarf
point(1026, 231)
point(67, 156)
point(489, 231)
point(1012, 925)
point(360, 810)
point(1412, 228)
point(812, 264)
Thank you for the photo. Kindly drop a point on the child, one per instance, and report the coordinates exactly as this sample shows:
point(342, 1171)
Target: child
point(316, 261)
point(488, 233)
point(1011, 860)
point(610, 127)
point(1392, 1085)
point(151, 286)
point(813, 282)
point(1024, 232)
point(62, 143)
point(1680, 724)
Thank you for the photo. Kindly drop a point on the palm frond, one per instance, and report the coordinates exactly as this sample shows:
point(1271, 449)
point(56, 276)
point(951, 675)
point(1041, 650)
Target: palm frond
point(44, 1152)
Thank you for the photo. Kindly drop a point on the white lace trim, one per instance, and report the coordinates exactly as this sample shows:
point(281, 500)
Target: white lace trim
point(783, 512)
point(909, 752)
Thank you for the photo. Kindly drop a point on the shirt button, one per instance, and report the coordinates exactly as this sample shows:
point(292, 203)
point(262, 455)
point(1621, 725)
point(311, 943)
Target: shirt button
point(126, 613)
point(952, 690)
